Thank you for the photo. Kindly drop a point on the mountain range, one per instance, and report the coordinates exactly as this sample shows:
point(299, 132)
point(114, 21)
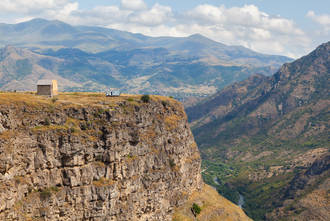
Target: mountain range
point(267, 139)
point(87, 58)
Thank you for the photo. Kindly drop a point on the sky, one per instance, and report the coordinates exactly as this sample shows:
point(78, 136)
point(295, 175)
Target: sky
point(283, 27)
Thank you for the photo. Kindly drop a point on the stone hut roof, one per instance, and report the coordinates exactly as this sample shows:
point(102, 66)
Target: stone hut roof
point(45, 82)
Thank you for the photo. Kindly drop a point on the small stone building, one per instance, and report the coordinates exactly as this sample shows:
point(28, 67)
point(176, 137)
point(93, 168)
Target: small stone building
point(47, 87)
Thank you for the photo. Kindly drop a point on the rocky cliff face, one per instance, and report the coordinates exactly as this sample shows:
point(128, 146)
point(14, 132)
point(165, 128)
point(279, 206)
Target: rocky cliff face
point(87, 157)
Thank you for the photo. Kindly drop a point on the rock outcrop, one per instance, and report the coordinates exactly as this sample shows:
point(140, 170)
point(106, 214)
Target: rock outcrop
point(88, 157)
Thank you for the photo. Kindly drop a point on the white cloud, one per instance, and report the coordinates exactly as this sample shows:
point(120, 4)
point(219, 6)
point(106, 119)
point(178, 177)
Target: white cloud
point(100, 16)
point(321, 19)
point(247, 16)
point(207, 14)
point(250, 27)
point(322, 33)
point(24, 6)
point(134, 5)
point(157, 15)
point(21, 10)
point(63, 12)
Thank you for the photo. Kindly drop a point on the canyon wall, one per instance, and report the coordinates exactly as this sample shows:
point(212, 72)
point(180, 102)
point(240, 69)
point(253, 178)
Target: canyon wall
point(88, 157)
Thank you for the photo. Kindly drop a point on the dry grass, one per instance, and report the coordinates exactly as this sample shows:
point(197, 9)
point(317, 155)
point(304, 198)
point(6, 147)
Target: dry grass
point(171, 122)
point(214, 207)
point(148, 134)
point(21, 180)
point(6, 135)
point(103, 182)
point(167, 99)
point(71, 125)
point(95, 99)
point(99, 164)
point(195, 156)
point(77, 99)
point(49, 127)
point(130, 158)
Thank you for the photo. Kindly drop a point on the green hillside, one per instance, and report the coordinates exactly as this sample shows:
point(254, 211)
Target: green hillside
point(256, 136)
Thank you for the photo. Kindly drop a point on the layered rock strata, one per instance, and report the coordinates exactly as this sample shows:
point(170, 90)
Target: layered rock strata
point(87, 157)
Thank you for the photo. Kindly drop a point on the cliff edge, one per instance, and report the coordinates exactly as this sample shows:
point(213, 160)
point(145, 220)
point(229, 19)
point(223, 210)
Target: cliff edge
point(84, 156)
point(89, 157)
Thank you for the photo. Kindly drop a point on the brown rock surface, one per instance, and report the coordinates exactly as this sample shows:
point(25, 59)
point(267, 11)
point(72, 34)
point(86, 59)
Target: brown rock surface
point(88, 157)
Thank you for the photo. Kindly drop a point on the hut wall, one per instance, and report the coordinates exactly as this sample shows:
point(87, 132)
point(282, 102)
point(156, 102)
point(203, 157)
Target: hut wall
point(44, 90)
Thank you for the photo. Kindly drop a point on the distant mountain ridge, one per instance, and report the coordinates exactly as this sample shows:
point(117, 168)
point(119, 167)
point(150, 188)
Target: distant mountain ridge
point(85, 58)
point(153, 70)
point(41, 33)
point(137, 71)
point(264, 132)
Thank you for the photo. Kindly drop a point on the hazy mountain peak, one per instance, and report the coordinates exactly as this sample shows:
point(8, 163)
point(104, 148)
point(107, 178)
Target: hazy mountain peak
point(35, 21)
point(42, 21)
point(197, 36)
point(201, 38)
point(35, 24)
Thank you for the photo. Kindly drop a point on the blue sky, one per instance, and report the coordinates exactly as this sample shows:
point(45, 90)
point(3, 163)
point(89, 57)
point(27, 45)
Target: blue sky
point(293, 9)
point(285, 27)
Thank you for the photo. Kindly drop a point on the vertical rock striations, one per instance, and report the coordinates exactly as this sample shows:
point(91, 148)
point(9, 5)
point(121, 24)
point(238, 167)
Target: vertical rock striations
point(85, 157)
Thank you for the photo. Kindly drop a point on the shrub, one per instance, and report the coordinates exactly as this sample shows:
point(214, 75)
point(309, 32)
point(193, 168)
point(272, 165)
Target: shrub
point(45, 194)
point(130, 99)
point(86, 125)
point(172, 164)
point(54, 189)
point(100, 112)
point(54, 99)
point(145, 98)
point(46, 122)
point(196, 209)
point(83, 127)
